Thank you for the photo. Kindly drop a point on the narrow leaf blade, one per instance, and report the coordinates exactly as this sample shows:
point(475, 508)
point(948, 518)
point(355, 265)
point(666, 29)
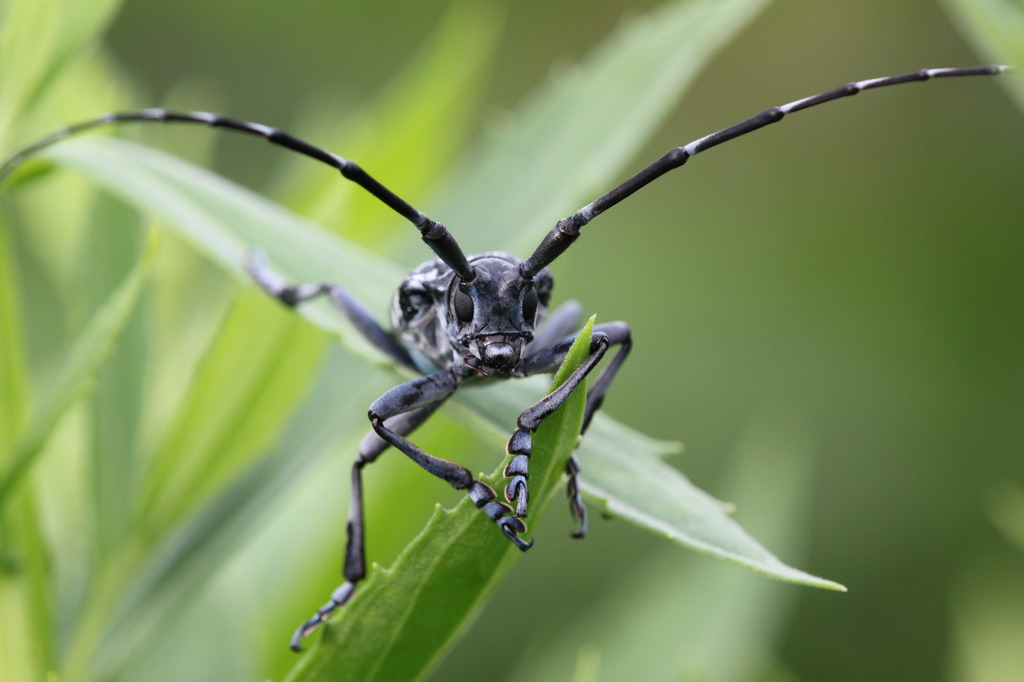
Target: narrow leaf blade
point(646, 491)
point(617, 475)
point(996, 28)
point(76, 376)
point(402, 620)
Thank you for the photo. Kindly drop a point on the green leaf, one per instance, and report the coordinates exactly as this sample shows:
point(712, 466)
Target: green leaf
point(28, 34)
point(13, 368)
point(38, 40)
point(623, 472)
point(630, 483)
point(117, 401)
point(184, 557)
point(402, 620)
point(26, 614)
point(996, 29)
point(424, 113)
point(80, 23)
point(222, 219)
point(653, 495)
point(1005, 506)
point(693, 620)
point(84, 360)
point(570, 142)
point(228, 417)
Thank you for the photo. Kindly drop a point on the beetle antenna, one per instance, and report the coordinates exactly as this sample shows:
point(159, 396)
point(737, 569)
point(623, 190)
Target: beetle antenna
point(567, 230)
point(433, 233)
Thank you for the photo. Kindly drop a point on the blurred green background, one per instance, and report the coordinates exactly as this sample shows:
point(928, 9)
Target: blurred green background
point(828, 313)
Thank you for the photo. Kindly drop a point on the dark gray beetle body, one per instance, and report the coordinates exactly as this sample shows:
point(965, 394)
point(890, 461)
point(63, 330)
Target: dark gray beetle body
point(455, 318)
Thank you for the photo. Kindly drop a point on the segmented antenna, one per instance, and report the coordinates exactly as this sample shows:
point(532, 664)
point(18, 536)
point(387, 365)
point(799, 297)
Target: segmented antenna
point(434, 234)
point(567, 230)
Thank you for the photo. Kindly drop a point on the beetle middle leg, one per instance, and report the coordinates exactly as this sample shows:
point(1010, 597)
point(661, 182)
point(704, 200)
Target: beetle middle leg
point(292, 295)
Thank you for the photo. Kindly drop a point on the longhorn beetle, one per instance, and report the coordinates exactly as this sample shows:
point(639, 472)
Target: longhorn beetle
point(462, 318)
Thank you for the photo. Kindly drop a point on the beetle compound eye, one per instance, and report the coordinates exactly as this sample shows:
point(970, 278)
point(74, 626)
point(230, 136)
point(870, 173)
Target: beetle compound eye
point(543, 284)
point(413, 301)
point(530, 305)
point(463, 306)
point(412, 306)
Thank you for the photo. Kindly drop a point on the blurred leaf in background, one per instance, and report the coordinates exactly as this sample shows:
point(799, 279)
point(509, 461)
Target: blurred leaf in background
point(197, 496)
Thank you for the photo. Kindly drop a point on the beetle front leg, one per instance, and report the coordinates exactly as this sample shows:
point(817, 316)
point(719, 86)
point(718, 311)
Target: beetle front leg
point(547, 359)
point(520, 445)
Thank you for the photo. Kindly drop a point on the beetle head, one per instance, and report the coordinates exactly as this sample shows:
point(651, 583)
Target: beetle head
point(491, 318)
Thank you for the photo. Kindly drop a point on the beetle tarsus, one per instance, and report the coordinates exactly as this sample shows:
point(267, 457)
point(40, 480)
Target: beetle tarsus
point(572, 490)
point(339, 598)
point(483, 497)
